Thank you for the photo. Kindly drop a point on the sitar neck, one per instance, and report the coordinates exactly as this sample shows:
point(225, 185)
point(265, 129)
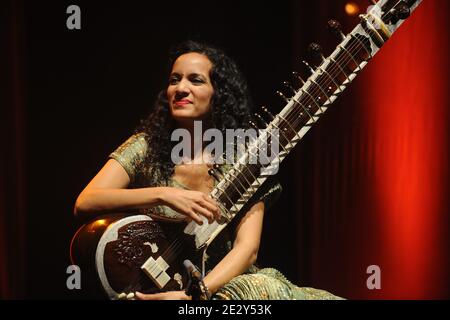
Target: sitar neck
point(305, 108)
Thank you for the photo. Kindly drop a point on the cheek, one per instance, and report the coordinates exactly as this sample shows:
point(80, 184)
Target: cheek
point(208, 101)
point(207, 95)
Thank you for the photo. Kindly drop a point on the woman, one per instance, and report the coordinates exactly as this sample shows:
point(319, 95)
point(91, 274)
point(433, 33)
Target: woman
point(203, 85)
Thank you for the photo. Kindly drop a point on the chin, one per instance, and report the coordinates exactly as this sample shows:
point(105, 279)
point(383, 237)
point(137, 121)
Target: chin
point(186, 115)
point(184, 118)
point(183, 114)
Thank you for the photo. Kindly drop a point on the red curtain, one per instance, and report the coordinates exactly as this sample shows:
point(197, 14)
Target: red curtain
point(407, 121)
point(380, 178)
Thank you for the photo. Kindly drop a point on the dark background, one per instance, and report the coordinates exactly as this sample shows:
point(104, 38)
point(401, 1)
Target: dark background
point(73, 96)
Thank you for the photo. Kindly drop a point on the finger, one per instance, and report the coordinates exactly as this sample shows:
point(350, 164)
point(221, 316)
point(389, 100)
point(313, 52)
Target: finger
point(203, 211)
point(141, 296)
point(209, 199)
point(211, 205)
point(194, 216)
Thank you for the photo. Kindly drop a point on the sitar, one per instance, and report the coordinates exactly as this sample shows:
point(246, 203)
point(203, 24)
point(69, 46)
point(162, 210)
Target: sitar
point(122, 253)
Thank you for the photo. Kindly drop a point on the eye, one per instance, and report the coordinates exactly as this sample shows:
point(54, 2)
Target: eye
point(197, 80)
point(174, 79)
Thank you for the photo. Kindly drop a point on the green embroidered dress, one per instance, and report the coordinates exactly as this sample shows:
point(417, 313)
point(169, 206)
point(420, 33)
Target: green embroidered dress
point(255, 284)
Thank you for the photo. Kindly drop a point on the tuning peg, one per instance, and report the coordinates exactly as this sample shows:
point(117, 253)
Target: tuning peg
point(289, 86)
point(402, 11)
point(308, 66)
point(219, 169)
point(214, 174)
point(315, 51)
point(263, 122)
point(335, 27)
point(297, 75)
point(268, 113)
point(253, 125)
point(282, 96)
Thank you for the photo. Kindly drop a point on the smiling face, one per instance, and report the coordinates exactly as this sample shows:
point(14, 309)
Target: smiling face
point(190, 90)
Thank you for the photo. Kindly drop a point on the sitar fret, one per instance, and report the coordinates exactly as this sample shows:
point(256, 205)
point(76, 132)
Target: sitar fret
point(306, 107)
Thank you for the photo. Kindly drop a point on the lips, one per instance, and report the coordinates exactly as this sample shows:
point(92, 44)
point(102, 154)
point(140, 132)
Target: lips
point(182, 102)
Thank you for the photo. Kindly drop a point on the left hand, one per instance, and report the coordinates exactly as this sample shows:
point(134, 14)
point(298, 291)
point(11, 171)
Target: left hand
point(169, 295)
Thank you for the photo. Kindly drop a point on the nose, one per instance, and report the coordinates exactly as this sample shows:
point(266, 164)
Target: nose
point(182, 89)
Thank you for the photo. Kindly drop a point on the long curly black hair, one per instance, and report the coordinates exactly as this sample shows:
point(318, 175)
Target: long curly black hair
point(231, 107)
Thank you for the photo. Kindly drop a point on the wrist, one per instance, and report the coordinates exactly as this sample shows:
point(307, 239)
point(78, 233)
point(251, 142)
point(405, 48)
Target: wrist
point(188, 297)
point(160, 195)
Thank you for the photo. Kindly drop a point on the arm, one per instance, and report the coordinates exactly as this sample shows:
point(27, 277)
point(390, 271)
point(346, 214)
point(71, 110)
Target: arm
point(244, 252)
point(107, 193)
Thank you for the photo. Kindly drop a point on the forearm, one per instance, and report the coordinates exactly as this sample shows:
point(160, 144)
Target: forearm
point(244, 252)
point(236, 262)
point(102, 200)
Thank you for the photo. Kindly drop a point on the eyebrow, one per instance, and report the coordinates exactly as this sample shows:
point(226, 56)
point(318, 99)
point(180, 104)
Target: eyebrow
point(190, 75)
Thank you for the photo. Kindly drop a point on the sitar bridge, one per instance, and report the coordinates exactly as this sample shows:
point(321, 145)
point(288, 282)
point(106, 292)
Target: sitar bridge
point(156, 270)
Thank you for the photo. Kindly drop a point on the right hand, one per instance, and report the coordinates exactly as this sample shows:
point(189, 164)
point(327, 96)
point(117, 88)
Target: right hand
point(192, 204)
